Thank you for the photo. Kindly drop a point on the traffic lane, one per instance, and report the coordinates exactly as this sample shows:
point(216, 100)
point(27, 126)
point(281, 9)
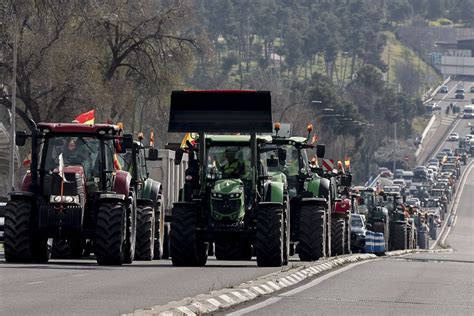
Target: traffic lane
point(398, 287)
point(82, 287)
point(461, 236)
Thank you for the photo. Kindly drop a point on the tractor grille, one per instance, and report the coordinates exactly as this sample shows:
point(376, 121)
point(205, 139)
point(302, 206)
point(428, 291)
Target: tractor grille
point(226, 206)
point(49, 217)
point(71, 187)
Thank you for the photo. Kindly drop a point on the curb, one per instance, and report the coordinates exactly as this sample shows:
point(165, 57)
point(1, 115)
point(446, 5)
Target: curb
point(225, 298)
point(216, 301)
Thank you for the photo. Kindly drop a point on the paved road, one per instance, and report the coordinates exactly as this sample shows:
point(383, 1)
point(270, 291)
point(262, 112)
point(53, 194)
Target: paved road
point(418, 284)
point(444, 122)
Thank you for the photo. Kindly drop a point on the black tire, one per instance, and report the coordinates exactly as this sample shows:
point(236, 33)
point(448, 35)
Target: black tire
point(131, 232)
point(347, 235)
point(110, 233)
point(77, 248)
point(227, 249)
point(398, 236)
point(61, 249)
point(337, 236)
point(246, 250)
point(166, 242)
point(311, 234)
point(19, 243)
point(160, 232)
point(270, 236)
point(145, 243)
point(186, 248)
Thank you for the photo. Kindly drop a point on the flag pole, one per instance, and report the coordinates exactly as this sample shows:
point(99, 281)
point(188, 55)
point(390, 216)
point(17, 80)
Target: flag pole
point(11, 178)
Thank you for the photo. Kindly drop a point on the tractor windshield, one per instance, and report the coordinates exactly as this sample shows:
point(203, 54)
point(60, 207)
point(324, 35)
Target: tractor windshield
point(288, 162)
point(228, 162)
point(77, 151)
point(367, 199)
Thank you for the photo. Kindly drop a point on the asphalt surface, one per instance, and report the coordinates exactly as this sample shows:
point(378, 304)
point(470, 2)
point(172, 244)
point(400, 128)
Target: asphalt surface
point(65, 287)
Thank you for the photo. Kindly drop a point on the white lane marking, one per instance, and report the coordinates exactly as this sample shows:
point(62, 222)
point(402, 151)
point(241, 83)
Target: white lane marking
point(299, 289)
point(33, 283)
point(79, 275)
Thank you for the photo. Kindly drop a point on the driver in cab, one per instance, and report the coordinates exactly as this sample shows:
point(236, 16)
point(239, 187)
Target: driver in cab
point(232, 168)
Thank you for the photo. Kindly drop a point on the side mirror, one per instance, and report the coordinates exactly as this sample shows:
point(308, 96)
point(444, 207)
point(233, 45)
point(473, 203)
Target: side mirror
point(281, 156)
point(127, 141)
point(178, 156)
point(320, 151)
point(20, 138)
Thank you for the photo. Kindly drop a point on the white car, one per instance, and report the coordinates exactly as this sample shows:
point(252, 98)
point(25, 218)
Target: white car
point(453, 137)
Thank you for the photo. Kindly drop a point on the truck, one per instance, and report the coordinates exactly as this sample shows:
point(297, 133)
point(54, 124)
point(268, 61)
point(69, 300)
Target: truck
point(310, 195)
point(72, 191)
point(228, 199)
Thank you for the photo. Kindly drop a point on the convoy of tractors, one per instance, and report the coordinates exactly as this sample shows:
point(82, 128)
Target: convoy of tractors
point(237, 188)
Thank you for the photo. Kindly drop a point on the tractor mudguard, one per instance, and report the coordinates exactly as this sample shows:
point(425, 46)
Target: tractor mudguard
point(151, 190)
point(122, 182)
point(320, 187)
point(112, 196)
point(21, 195)
point(314, 201)
point(273, 192)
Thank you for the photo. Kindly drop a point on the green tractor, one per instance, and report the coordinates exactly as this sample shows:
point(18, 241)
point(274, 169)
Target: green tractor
point(402, 228)
point(151, 237)
point(228, 198)
point(309, 194)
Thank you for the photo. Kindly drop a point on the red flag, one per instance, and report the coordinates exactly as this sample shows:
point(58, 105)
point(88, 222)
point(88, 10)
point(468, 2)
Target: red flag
point(86, 118)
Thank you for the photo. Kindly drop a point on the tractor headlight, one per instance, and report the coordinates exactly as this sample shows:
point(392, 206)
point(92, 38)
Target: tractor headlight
point(216, 195)
point(69, 199)
point(235, 195)
point(57, 199)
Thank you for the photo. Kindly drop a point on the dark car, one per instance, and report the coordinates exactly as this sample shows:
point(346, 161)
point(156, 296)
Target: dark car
point(358, 232)
point(459, 94)
point(444, 89)
point(472, 89)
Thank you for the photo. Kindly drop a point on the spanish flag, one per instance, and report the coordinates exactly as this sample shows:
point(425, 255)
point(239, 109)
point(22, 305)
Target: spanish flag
point(86, 118)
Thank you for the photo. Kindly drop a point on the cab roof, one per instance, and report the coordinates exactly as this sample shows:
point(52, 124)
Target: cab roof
point(72, 128)
point(236, 138)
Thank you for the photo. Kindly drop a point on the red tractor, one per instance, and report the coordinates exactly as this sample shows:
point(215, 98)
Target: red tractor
point(72, 191)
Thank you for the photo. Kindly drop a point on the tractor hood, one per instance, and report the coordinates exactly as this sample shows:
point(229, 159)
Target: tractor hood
point(228, 186)
point(278, 176)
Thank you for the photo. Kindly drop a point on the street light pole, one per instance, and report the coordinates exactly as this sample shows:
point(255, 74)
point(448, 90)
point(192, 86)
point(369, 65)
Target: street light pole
point(294, 104)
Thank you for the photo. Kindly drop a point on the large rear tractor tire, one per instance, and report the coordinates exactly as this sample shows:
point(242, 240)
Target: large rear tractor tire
point(270, 236)
point(110, 242)
point(398, 236)
point(61, 249)
point(145, 243)
point(312, 242)
point(186, 248)
point(227, 249)
point(337, 236)
point(166, 241)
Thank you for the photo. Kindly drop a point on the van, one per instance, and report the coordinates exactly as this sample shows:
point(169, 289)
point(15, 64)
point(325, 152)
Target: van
point(468, 111)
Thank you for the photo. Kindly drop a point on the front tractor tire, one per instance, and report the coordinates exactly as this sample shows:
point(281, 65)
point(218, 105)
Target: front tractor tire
point(145, 243)
point(186, 246)
point(161, 243)
point(270, 236)
point(312, 233)
point(110, 242)
point(19, 243)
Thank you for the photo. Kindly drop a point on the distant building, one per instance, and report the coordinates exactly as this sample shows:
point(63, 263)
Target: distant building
point(454, 58)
